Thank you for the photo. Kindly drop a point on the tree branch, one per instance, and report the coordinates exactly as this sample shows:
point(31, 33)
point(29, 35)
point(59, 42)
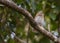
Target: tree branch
point(31, 20)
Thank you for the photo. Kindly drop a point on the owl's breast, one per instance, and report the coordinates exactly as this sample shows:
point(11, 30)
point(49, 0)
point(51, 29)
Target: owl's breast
point(39, 20)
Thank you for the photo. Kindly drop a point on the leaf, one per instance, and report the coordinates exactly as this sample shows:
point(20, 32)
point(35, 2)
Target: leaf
point(44, 40)
point(52, 16)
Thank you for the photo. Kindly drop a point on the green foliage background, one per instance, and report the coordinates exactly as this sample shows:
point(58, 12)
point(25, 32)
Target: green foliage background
point(13, 21)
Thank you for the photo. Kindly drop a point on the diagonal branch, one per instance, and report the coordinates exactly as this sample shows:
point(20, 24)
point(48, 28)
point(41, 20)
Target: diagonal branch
point(31, 20)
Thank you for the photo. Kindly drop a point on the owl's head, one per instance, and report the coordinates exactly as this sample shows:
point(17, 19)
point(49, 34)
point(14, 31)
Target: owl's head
point(40, 13)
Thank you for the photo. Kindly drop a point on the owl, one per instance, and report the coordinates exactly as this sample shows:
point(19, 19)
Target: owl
point(39, 18)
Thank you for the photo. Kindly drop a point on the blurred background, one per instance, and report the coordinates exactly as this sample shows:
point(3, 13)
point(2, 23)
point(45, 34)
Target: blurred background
point(15, 27)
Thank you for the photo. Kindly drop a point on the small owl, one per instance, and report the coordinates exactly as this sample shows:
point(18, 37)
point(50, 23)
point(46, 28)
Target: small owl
point(39, 18)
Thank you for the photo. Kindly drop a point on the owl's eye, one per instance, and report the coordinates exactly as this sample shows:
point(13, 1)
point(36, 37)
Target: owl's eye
point(40, 15)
